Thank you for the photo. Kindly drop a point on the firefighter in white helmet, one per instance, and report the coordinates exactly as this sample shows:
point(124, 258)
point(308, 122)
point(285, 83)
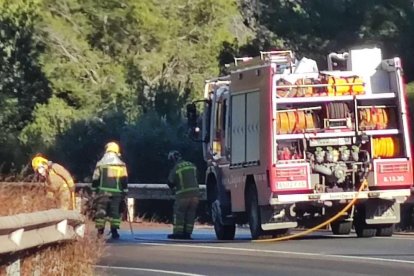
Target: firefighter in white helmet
point(59, 182)
point(110, 183)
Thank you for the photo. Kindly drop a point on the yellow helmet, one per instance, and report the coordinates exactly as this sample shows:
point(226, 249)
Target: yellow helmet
point(112, 147)
point(38, 161)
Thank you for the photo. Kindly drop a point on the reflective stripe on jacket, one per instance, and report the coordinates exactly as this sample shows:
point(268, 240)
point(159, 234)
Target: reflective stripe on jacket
point(110, 175)
point(183, 177)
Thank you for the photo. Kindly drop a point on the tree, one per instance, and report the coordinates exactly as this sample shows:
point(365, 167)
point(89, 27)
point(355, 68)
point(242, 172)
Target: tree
point(316, 28)
point(22, 84)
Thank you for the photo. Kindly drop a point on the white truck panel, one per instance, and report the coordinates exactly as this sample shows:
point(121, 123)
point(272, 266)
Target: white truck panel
point(238, 129)
point(367, 63)
point(252, 127)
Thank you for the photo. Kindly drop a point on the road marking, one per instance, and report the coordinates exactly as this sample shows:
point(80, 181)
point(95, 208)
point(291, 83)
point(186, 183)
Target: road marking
point(148, 270)
point(334, 256)
point(401, 237)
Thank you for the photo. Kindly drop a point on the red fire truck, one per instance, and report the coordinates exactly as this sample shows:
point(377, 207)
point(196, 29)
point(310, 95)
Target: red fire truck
point(287, 144)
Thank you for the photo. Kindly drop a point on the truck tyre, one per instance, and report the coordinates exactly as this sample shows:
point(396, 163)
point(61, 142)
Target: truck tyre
point(385, 230)
point(223, 231)
point(362, 229)
point(341, 227)
point(253, 212)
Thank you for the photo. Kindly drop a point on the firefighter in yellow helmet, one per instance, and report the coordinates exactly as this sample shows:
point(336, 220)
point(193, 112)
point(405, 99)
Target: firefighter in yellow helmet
point(182, 180)
point(59, 182)
point(110, 183)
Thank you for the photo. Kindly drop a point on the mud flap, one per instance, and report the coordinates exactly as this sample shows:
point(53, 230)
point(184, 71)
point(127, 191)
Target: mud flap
point(274, 218)
point(382, 212)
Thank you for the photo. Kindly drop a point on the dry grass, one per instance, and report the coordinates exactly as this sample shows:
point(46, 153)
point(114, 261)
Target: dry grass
point(21, 198)
point(70, 258)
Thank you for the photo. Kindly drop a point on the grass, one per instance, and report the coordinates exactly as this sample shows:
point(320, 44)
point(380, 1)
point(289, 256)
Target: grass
point(70, 258)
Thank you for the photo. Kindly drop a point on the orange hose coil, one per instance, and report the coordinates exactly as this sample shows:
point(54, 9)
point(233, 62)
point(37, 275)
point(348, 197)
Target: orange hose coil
point(300, 121)
point(374, 118)
point(294, 121)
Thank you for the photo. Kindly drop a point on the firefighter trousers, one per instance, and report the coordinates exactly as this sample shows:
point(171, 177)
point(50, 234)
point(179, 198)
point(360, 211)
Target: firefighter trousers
point(107, 209)
point(184, 214)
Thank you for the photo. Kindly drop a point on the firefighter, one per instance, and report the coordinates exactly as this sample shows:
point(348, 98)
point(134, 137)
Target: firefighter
point(182, 181)
point(59, 182)
point(110, 186)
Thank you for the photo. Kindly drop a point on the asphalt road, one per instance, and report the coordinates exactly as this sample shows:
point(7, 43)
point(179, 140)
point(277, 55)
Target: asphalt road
point(148, 252)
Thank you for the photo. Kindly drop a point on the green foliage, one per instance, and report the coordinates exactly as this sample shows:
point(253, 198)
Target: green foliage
point(22, 83)
point(410, 89)
point(81, 145)
point(147, 144)
point(75, 74)
point(51, 119)
point(107, 70)
point(315, 28)
point(410, 94)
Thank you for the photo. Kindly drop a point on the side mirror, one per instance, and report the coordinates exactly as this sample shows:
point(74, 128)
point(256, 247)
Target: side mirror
point(191, 115)
point(192, 118)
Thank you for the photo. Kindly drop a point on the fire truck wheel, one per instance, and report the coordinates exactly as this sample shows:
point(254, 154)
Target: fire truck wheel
point(224, 232)
point(341, 227)
point(385, 230)
point(362, 229)
point(253, 212)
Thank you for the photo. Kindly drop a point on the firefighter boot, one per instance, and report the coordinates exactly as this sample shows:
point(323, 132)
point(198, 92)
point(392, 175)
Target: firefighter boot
point(114, 233)
point(176, 236)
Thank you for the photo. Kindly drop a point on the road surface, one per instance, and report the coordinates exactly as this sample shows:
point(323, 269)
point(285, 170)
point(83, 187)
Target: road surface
point(148, 252)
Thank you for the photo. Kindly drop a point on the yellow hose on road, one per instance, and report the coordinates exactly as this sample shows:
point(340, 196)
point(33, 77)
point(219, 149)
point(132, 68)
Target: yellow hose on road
point(313, 229)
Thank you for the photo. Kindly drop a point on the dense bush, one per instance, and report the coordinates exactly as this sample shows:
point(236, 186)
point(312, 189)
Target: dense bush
point(75, 74)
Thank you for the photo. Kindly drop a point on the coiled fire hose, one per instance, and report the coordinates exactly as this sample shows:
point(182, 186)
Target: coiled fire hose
point(295, 121)
point(386, 147)
point(374, 118)
point(319, 226)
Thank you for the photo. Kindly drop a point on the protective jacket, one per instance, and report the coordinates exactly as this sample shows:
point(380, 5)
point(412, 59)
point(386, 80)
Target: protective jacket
point(183, 179)
point(60, 185)
point(110, 175)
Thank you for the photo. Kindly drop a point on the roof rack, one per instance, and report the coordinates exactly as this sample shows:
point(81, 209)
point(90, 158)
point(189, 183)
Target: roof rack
point(277, 56)
point(242, 59)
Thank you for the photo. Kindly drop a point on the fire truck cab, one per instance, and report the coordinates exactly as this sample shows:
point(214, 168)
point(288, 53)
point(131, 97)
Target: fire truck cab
point(287, 144)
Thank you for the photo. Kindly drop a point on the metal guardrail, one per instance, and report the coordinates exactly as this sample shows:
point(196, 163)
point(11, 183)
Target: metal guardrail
point(149, 191)
point(25, 231)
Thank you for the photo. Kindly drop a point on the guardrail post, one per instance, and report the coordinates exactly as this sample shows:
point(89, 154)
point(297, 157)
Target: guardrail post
point(13, 269)
point(78, 201)
point(131, 209)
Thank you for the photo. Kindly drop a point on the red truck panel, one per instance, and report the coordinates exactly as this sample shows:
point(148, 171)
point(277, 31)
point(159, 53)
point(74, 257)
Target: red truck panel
point(291, 178)
point(393, 172)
